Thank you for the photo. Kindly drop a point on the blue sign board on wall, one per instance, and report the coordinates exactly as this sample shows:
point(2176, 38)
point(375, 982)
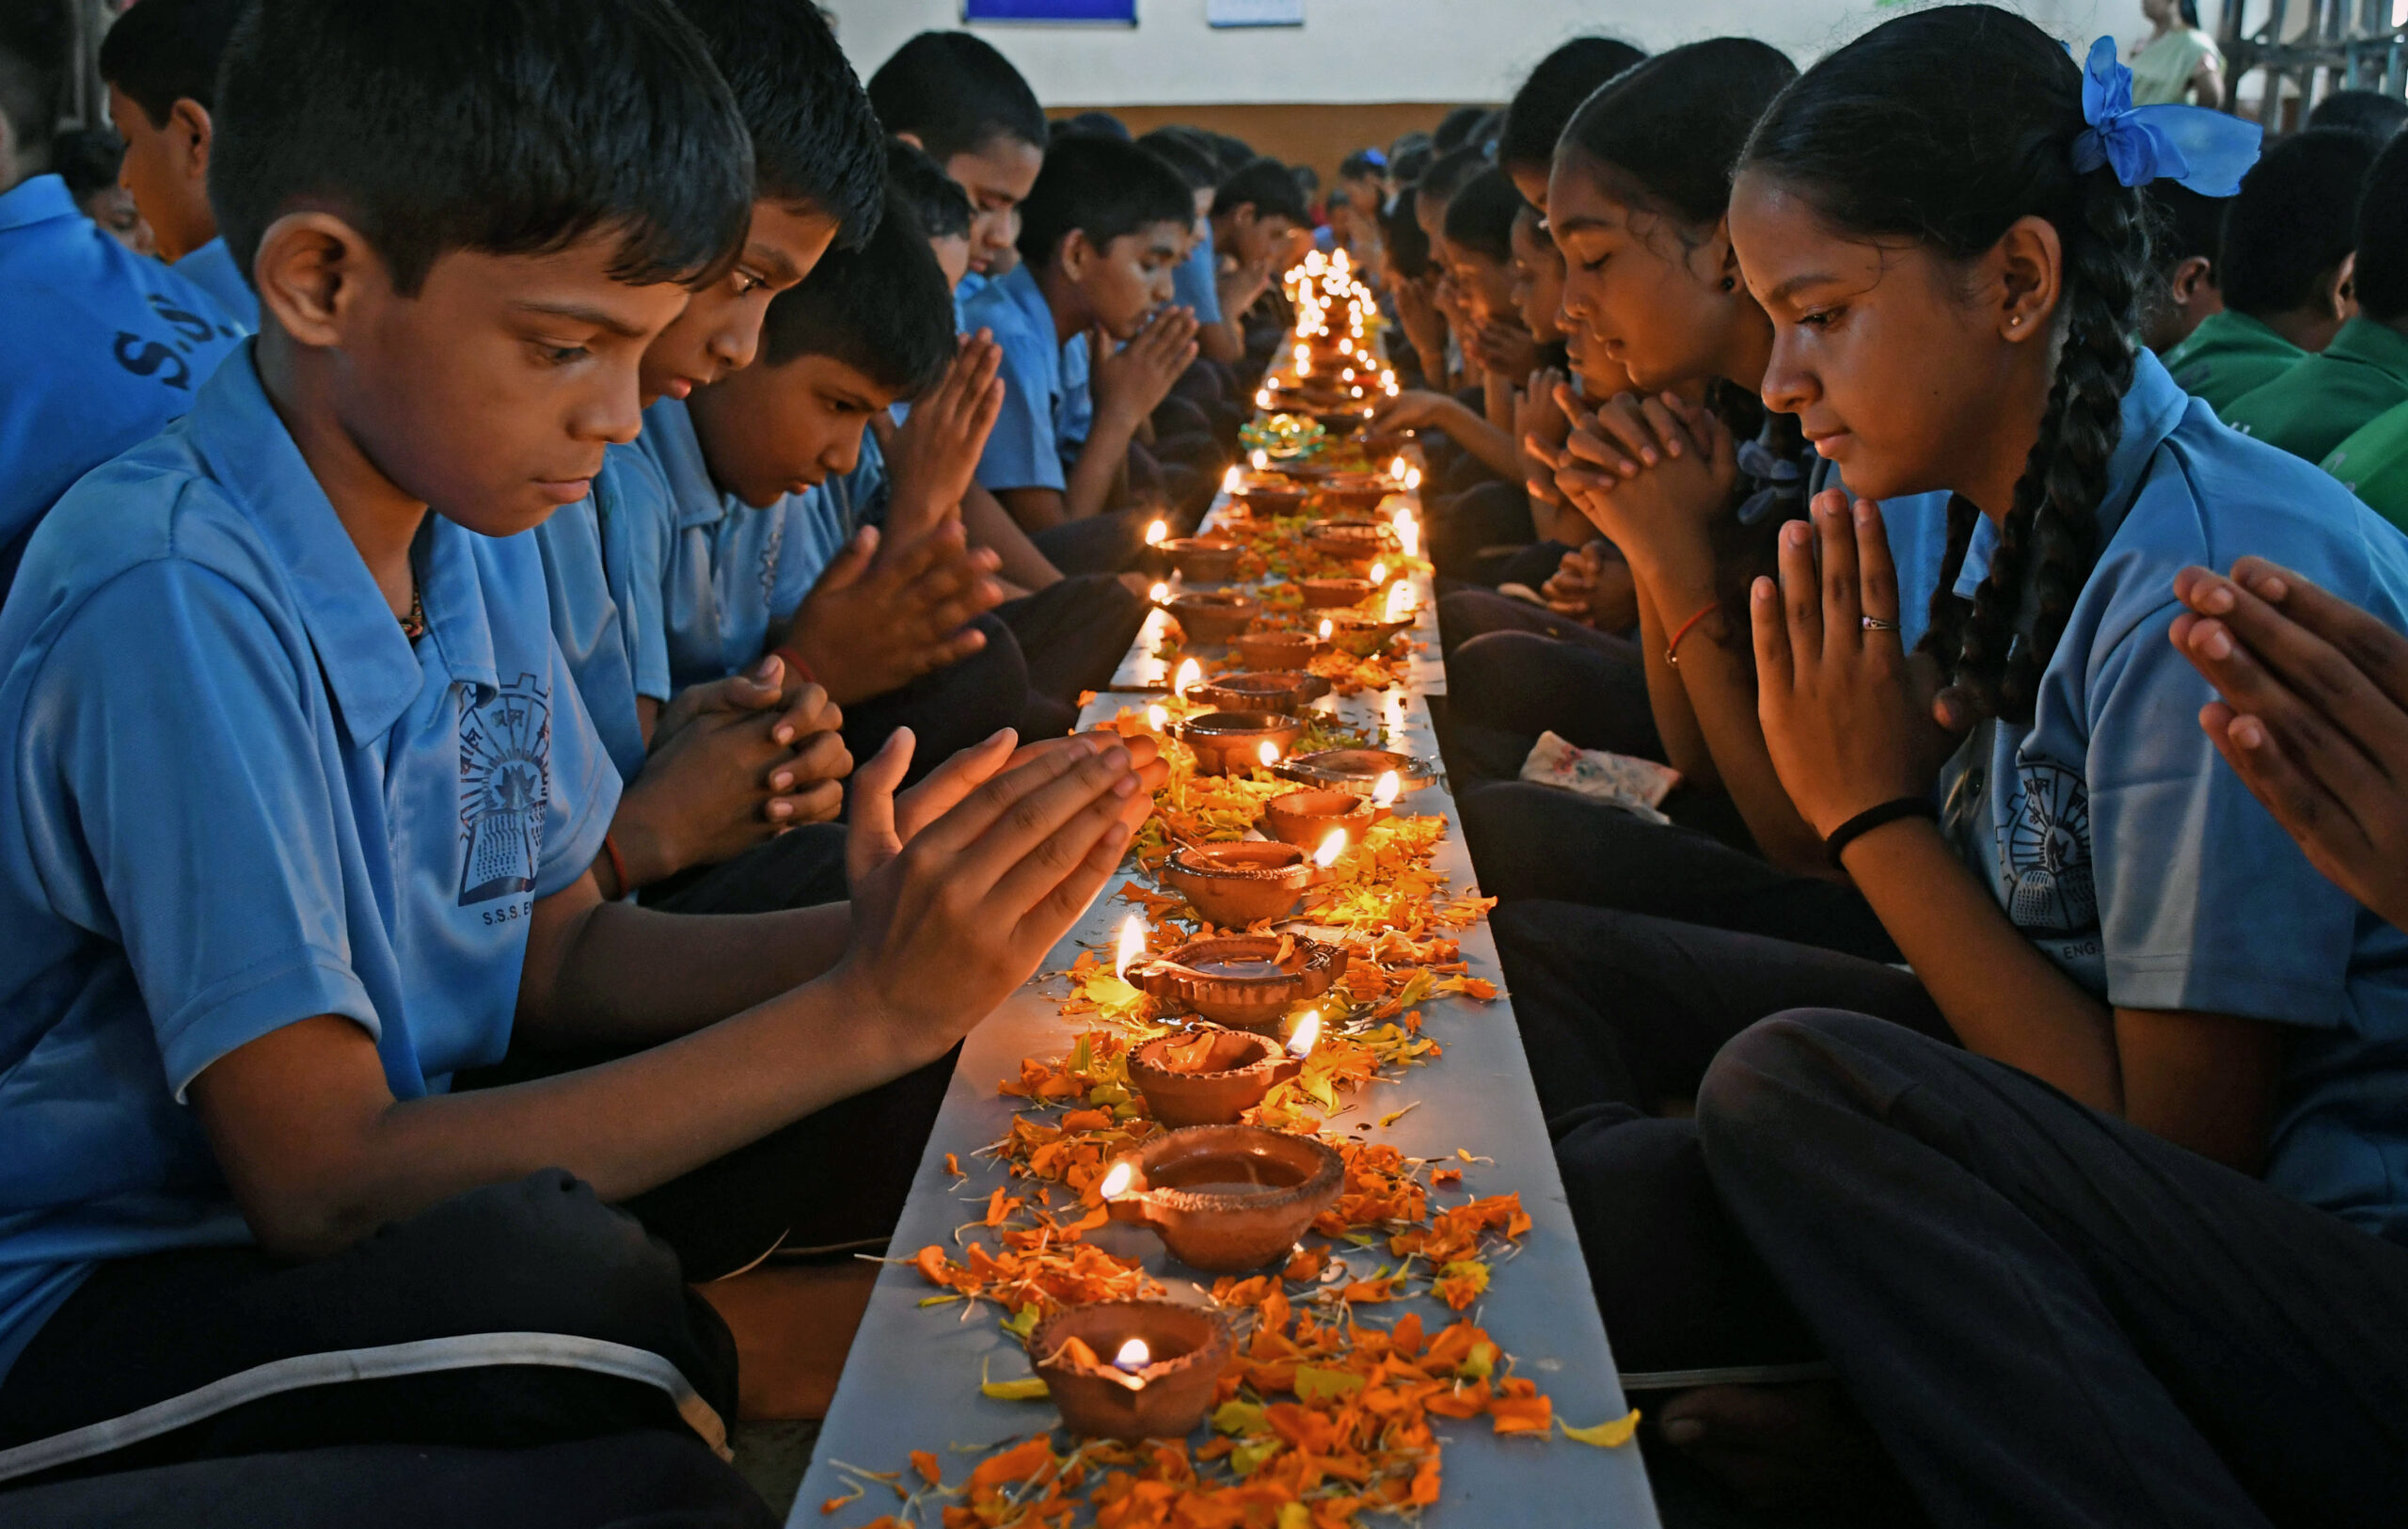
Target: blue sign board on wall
point(1094, 12)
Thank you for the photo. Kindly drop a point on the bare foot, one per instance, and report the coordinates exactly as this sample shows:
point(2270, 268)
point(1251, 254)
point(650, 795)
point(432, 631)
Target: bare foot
point(1790, 1446)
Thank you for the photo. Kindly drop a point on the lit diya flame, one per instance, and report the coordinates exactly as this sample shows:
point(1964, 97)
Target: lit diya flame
point(1133, 945)
point(1332, 846)
point(1308, 1036)
point(1327, 627)
point(1260, 460)
point(1157, 717)
point(1269, 753)
point(1379, 573)
point(1133, 1356)
point(1158, 533)
point(1398, 467)
point(1160, 593)
point(1231, 480)
point(1116, 1183)
point(1389, 385)
point(1412, 479)
point(1384, 792)
point(1190, 674)
point(1399, 601)
point(1262, 398)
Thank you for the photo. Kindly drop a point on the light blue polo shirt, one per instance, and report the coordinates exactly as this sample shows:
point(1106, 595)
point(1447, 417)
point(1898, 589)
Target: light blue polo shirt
point(213, 270)
point(1196, 282)
point(1076, 420)
point(2119, 842)
point(731, 574)
point(99, 348)
point(602, 579)
point(1024, 450)
point(234, 796)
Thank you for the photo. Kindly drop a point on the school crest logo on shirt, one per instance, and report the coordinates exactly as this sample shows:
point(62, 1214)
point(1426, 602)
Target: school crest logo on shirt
point(505, 770)
point(2044, 851)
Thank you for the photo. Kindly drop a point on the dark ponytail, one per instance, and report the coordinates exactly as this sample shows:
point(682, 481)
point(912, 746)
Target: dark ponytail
point(1945, 128)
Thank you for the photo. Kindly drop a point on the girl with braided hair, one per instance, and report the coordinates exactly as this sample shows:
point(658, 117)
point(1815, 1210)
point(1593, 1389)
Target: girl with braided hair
point(2133, 1250)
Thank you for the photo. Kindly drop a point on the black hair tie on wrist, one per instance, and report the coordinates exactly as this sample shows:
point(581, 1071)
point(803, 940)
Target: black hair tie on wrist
point(1872, 818)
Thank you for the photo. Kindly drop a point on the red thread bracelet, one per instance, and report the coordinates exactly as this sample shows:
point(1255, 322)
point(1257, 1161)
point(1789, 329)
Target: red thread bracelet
point(795, 668)
point(1673, 648)
point(618, 866)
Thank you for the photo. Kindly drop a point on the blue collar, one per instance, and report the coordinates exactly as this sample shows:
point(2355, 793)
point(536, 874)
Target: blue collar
point(37, 199)
point(368, 665)
point(1018, 288)
point(669, 436)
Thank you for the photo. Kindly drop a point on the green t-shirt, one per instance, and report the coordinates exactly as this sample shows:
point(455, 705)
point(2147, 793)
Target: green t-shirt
point(2315, 406)
point(2228, 354)
point(2373, 465)
point(2162, 71)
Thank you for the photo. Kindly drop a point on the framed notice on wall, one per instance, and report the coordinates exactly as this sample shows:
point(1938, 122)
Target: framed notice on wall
point(1253, 13)
point(1089, 12)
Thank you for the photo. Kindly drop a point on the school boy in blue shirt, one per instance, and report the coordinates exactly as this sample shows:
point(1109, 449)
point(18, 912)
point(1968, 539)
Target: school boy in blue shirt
point(953, 95)
point(1100, 232)
point(758, 558)
point(241, 970)
point(101, 347)
point(715, 776)
point(161, 68)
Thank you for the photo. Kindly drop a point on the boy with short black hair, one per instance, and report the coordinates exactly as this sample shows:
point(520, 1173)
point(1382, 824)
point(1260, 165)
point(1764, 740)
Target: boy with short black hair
point(1102, 231)
point(938, 201)
point(101, 346)
point(2185, 229)
point(952, 95)
point(2283, 268)
point(159, 61)
point(242, 972)
point(2312, 407)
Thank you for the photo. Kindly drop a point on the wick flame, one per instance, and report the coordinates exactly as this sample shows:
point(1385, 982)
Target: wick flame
point(1331, 847)
point(1156, 534)
point(1133, 945)
point(1190, 674)
point(1133, 1356)
point(1398, 467)
point(1412, 479)
point(1379, 573)
point(1300, 1045)
point(1157, 717)
point(1232, 479)
point(1408, 534)
point(1399, 601)
point(1261, 459)
point(1262, 398)
point(1382, 794)
point(1160, 593)
point(1269, 753)
point(1327, 627)
point(1116, 1183)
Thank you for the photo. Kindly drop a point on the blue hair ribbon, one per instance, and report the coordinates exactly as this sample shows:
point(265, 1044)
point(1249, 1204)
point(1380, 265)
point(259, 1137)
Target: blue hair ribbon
point(2207, 150)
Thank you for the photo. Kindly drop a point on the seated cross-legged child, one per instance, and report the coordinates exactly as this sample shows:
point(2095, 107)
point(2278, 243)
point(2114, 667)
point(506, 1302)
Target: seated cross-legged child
point(766, 550)
point(101, 346)
point(241, 971)
point(1072, 629)
point(956, 98)
point(716, 778)
point(2327, 396)
point(1090, 346)
point(2282, 266)
point(161, 68)
point(1257, 212)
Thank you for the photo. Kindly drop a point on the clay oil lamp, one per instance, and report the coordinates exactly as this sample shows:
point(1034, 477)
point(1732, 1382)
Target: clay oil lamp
point(1237, 885)
point(1307, 819)
point(1246, 981)
point(1211, 1076)
point(1206, 560)
point(1353, 493)
point(1233, 743)
point(1363, 635)
point(1277, 651)
point(1278, 690)
point(1333, 594)
point(1131, 1369)
point(1353, 541)
point(1226, 1199)
point(1213, 615)
point(1381, 774)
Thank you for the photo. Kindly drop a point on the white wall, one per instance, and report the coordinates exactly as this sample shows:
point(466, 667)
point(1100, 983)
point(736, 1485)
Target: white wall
point(1384, 50)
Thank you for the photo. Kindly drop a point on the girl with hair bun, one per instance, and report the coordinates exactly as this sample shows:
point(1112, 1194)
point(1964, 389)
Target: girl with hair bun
point(2133, 1250)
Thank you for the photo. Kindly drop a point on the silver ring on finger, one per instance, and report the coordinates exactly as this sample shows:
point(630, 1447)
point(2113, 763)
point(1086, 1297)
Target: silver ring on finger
point(1878, 624)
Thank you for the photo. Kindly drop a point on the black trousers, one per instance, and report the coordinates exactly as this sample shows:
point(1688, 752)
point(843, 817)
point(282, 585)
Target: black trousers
point(1508, 684)
point(1471, 531)
point(1629, 1009)
point(1073, 633)
point(2052, 1318)
point(533, 1314)
point(1108, 543)
point(949, 708)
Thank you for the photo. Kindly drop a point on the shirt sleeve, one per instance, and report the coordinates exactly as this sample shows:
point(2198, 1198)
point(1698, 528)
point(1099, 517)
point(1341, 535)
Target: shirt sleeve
point(1021, 450)
point(2205, 902)
point(1195, 284)
point(183, 801)
point(584, 789)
